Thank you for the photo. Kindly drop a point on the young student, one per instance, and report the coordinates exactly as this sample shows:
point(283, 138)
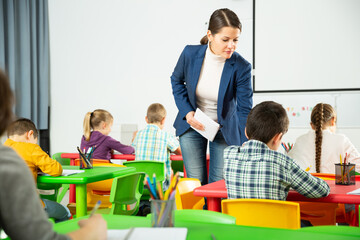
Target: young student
point(257, 170)
point(22, 137)
point(154, 144)
point(321, 147)
point(21, 214)
point(100, 122)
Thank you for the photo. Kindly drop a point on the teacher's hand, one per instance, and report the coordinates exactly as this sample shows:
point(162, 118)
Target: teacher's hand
point(193, 122)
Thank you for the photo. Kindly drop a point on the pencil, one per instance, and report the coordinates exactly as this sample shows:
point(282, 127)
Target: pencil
point(154, 181)
point(151, 187)
point(82, 157)
point(160, 191)
point(97, 205)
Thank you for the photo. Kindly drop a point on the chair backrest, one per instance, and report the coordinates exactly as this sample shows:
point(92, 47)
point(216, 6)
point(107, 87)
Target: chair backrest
point(100, 190)
point(319, 213)
point(149, 168)
point(62, 161)
point(263, 212)
point(126, 192)
point(184, 196)
point(98, 162)
point(49, 191)
point(177, 166)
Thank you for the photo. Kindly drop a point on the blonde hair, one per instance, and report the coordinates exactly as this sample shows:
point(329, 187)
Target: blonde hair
point(156, 113)
point(321, 114)
point(93, 120)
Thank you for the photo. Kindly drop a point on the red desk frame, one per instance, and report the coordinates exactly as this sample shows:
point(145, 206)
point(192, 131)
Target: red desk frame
point(127, 157)
point(215, 191)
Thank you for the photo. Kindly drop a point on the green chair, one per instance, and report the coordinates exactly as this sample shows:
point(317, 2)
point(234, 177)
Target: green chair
point(149, 168)
point(202, 216)
point(51, 191)
point(62, 161)
point(125, 194)
point(177, 166)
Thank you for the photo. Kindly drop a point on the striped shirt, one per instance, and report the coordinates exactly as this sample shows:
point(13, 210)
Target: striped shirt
point(255, 171)
point(154, 144)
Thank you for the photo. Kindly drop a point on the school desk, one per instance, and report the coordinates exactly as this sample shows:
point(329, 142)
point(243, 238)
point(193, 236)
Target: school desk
point(81, 179)
point(219, 231)
point(338, 194)
point(127, 157)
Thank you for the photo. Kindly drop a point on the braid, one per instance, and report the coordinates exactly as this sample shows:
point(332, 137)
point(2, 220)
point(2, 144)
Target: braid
point(317, 118)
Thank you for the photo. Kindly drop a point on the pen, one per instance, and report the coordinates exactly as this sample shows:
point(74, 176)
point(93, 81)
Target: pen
point(97, 205)
point(82, 157)
point(127, 236)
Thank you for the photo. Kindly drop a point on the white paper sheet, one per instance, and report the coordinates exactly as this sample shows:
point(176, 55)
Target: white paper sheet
point(67, 172)
point(211, 127)
point(355, 192)
point(148, 234)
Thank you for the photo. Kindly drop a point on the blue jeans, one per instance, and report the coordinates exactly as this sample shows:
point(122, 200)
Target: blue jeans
point(193, 148)
point(56, 210)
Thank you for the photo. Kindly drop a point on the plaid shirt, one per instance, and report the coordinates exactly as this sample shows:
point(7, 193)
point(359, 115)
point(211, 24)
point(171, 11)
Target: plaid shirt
point(154, 144)
point(256, 171)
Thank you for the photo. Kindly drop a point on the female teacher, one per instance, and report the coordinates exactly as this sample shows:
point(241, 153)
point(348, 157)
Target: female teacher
point(217, 80)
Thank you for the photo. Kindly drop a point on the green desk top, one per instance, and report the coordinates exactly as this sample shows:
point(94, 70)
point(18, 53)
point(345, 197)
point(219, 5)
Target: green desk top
point(225, 231)
point(90, 175)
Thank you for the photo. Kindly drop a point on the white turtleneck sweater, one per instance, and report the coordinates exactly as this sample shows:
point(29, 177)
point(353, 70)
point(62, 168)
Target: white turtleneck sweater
point(207, 89)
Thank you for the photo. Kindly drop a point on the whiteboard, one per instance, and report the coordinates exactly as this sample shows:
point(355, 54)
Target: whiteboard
point(299, 106)
point(307, 45)
point(347, 108)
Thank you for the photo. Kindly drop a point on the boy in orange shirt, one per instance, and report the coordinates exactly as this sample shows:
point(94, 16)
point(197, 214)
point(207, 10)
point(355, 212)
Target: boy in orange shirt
point(22, 137)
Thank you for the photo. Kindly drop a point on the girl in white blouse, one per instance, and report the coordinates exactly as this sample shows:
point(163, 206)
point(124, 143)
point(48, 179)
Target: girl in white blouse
point(321, 147)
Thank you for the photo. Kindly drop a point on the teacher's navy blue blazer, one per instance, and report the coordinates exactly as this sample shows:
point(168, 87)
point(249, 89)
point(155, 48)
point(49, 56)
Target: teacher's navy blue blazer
point(235, 92)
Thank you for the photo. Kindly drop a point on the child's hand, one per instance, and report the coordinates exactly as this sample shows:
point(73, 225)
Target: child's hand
point(133, 136)
point(93, 228)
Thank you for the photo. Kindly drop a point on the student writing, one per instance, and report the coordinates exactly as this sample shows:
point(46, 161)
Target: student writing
point(22, 137)
point(321, 147)
point(21, 214)
point(258, 170)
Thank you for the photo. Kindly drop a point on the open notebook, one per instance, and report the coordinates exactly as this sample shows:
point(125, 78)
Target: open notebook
point(66, 172)
point(148, 234)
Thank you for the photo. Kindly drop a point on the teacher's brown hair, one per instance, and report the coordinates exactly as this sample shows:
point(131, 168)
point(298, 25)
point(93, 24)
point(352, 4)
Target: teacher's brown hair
point(6, 102)
point(221, 18)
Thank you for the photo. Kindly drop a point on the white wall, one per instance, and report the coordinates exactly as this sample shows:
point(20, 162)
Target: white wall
point(119, 56)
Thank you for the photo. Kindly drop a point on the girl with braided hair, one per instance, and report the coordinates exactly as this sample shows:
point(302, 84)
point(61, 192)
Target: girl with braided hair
point(321, 147)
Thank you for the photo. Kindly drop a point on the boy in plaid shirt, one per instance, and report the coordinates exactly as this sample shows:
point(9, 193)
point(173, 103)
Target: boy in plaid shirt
point(257, 170)
point(154, 144)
